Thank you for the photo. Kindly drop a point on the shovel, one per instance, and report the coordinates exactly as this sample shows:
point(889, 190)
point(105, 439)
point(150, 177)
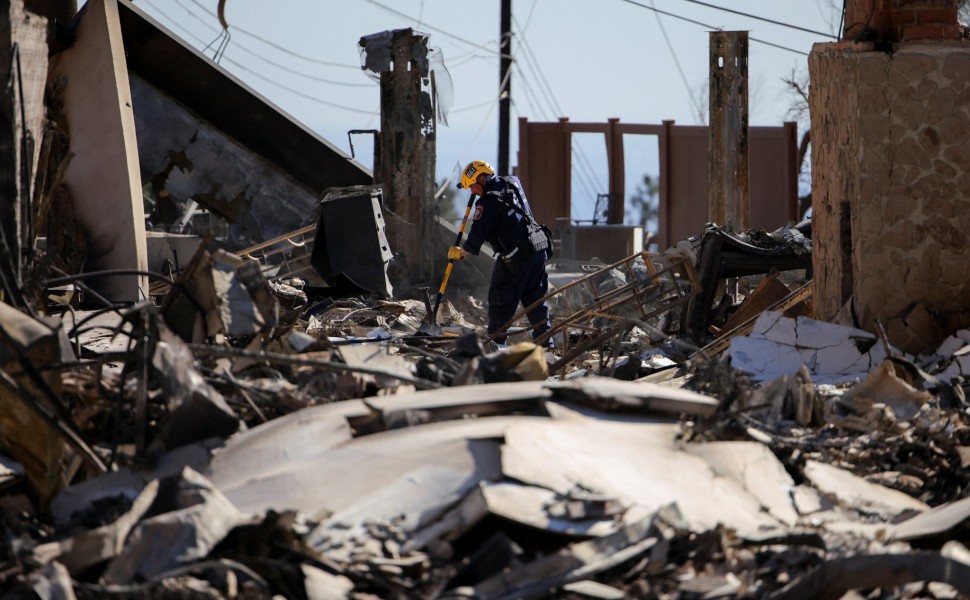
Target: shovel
point(430, 325)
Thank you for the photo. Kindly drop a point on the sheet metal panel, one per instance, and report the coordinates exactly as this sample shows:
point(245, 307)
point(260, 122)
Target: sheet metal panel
point(544, 167)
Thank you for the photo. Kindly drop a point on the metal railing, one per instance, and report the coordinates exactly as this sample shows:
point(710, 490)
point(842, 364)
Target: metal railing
point(650, 291)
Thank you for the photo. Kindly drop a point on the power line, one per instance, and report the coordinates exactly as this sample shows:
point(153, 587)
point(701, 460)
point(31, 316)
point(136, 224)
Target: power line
point(711, 27)
point(583, 177)
point(766, 20)
point(680, 70)
point(465, 59)
point(585, 173)
point(586, 179)
point(299, 93)
point(488, 114)
point(279, 66)
point(529, 18)
point(471, 107)
point(263, 77)
point(441, 31)
point(531, 95)
point(277, 46)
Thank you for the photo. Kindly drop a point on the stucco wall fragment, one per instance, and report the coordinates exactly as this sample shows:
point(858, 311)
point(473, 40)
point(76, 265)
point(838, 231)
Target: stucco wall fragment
point(890, 147)
point(186, 157)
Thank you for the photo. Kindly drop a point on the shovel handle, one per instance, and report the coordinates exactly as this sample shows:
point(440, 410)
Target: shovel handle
point(468, 209)
point(444, 280)
point(451, 261)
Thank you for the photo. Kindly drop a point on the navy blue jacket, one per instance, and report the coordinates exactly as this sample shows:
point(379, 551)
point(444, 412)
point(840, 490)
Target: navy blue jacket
point(495, 219)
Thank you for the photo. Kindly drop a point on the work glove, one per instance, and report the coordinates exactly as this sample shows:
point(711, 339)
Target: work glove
point(454, 253)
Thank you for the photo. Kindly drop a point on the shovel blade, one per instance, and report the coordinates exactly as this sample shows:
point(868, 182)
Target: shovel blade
point(428, 328)
point(430, 324)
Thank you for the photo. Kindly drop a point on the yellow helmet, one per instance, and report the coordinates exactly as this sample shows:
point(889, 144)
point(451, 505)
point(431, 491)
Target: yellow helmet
point(472, 171)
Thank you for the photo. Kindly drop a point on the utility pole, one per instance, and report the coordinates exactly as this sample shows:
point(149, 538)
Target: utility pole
point(407, 145)
point(505, 86)
point(728, 200)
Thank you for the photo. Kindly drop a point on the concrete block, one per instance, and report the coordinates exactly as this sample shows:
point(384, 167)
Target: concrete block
point(764, 359)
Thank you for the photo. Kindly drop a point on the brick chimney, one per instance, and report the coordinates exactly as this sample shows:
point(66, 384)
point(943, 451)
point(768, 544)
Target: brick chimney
point(901, 20)
point(925, 20)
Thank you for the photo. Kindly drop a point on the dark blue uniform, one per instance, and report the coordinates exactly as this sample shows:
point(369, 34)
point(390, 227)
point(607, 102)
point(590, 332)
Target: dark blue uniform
point(519, 277)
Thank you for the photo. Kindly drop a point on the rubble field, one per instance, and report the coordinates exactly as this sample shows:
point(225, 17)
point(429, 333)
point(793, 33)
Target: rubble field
point(238, 438)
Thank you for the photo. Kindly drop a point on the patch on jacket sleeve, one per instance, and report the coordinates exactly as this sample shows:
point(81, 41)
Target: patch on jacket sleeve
point(478, 212)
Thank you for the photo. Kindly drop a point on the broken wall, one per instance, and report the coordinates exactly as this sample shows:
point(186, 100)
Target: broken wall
point(185, 158)
point(138, 106)
point(103, 175)
point(23, 66)
point(891, 184)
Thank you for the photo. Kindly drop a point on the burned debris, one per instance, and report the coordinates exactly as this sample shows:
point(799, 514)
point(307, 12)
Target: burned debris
point(234, 397)
point(342, 455)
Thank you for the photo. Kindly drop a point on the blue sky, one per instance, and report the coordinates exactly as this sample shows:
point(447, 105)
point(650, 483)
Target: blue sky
point(582, 59)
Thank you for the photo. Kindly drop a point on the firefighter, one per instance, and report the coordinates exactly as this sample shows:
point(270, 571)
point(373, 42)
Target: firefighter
point(503, 218)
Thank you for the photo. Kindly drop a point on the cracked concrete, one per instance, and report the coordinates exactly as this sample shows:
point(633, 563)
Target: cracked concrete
point(779, 346)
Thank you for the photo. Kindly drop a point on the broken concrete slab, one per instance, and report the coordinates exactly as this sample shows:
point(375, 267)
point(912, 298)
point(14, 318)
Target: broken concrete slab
point(535, 507)
point(758, 471)
point(406, 477)
point(610, 394)
point(529, 397)
point(933, 522)
point(220, 294)
point(857, 493)
point(323, 585)
point(808, 500)
point(635, 462)
point(302, 435)
point(835, 577)
point(196, 410)
point(126, 483)
point(477, 401)
point(779, 346)
point(201, 518)
point(88, 548)
point(593, 589)
point(415, 472)
point(435, 537)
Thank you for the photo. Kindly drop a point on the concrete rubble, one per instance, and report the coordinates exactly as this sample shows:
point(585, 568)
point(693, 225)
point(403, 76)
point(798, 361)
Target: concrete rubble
point(266, 418)
point(235, 454)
